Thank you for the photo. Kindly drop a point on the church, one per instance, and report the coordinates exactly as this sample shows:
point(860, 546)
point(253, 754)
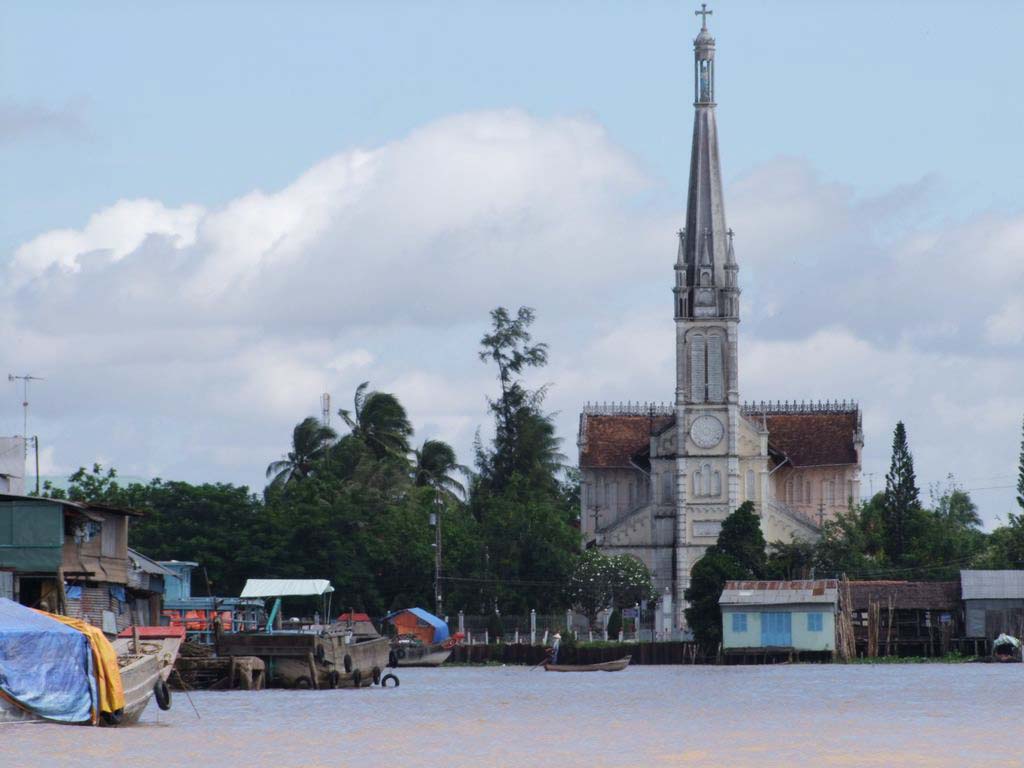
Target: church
point(658, 480)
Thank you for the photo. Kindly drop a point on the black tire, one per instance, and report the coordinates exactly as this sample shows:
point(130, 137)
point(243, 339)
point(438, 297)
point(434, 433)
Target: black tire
point(376, 675)
point(162, 694)
point(389, 676)
point(334, 678)
point(392, 659)
point(357, 679)
point(318, 654)
point(303, 683)
point(348, 663)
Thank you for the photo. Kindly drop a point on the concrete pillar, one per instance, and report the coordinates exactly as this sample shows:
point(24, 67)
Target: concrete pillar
point(533, 626)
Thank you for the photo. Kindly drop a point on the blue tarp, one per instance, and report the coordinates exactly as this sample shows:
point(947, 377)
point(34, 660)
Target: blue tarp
point(440, 628)
point(45, 666)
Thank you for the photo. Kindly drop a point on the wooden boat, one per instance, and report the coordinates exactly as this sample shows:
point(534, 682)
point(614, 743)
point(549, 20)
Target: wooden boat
point(605, 666)
point(419, 654)
point(146, 658)
point(144, 668)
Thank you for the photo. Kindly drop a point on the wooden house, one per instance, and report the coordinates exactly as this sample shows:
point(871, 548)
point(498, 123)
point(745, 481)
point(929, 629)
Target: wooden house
point(905, 618)
point(67, 556)
point(779, 616)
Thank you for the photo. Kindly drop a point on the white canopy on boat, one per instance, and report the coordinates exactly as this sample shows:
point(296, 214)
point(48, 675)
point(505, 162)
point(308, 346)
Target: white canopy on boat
point(286, 587)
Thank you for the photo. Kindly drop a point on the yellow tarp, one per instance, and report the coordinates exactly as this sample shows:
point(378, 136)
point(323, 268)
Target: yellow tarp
point(104, 659)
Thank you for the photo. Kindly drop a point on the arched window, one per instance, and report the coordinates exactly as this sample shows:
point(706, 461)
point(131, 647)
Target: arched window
point(697, 370)
point(789, 491)
point(705, 472)
point(807, 492)
point(716, 371)
point(849, 492)
point(716, 489)
point(799, 491)
point(667, 494)
point(751, 489)
point(697, 483)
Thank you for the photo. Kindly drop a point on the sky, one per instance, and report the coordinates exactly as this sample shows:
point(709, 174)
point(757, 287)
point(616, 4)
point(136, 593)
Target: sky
point(211, 213)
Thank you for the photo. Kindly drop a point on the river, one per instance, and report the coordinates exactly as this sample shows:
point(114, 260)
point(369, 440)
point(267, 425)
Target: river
point(809, 715)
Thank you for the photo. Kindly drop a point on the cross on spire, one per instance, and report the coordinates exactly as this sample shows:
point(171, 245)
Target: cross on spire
point(703, 13)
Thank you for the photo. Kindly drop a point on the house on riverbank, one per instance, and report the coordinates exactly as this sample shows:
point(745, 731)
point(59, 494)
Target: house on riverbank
point(779, 617)
point(993, 603)
point(905, 618)
point(66, 556)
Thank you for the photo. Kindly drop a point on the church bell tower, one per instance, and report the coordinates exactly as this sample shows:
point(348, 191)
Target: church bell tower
point(706, 299)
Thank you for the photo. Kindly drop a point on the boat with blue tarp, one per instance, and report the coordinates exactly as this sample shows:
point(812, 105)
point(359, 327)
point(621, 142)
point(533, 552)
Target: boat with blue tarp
point(421, 639)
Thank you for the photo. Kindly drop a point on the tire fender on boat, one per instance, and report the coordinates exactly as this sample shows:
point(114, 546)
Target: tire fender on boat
point(357, 678)
point(389, 676)
point(334, 678)
point(162, 694)
point(348, 663)
point(376, 675)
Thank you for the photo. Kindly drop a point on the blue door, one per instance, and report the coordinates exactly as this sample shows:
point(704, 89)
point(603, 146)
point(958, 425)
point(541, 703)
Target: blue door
point(776, 630)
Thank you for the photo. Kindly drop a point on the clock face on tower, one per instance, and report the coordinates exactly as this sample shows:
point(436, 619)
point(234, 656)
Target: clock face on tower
point(706, 431)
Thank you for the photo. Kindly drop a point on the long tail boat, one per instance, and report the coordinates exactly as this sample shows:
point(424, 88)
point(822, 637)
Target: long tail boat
point(605, 666)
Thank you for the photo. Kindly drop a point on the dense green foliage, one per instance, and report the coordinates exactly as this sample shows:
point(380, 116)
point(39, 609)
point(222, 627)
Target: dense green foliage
point(599, 581)
point(356, 509)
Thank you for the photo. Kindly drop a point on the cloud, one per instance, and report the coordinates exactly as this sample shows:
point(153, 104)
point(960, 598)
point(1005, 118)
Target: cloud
point(187, 340)
point(28, 121)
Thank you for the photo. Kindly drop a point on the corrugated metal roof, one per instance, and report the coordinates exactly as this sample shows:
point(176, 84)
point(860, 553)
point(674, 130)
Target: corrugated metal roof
point(919, 595)
point(992, 585)
point(779, 592)
point(286, 587)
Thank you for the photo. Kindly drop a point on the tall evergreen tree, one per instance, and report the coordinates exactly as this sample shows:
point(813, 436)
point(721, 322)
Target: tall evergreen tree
point(902, 504)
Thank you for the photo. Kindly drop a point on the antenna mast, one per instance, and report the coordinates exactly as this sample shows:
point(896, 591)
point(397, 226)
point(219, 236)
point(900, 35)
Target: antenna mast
point(24, 401)
point(325, 409)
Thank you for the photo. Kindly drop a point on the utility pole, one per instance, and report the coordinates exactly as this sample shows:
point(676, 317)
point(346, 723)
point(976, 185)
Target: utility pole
point(435, 520)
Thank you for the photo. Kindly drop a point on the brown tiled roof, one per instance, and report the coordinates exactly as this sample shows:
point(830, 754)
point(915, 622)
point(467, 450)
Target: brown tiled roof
point(611, 441)
point(812, 439)
point(923, 595)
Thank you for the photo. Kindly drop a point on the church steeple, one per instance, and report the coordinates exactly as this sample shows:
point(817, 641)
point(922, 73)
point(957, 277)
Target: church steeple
point(706, 285)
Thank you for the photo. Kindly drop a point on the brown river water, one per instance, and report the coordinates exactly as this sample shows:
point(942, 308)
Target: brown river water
point(808, 716)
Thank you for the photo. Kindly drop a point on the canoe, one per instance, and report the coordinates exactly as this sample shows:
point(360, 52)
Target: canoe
point(605, 666)
point(409, 655)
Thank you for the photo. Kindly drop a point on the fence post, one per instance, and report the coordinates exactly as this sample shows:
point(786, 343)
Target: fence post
point(517, 636)
point(533, 626)
point(462, 622)
point(487, 637)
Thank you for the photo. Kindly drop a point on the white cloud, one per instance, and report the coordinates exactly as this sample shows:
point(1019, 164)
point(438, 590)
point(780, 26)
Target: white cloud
point(1007, 325)
point(189, 341)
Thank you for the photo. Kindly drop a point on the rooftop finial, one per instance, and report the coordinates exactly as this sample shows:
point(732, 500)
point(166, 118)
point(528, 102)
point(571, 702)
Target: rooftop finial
point(703, 13)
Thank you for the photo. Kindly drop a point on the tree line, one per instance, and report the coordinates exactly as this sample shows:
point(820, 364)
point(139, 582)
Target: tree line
point(357, 507)
point(893, 535)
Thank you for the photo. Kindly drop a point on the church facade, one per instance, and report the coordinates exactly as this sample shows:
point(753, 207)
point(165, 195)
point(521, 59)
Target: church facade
point(658, 480)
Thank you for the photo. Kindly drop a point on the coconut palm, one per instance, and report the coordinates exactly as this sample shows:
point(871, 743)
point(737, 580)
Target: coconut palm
point(310, 441)
point(380, 421)
point(435, 462)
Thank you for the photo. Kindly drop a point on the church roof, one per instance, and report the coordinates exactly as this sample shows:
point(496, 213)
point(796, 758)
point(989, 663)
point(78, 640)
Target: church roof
point(810, 434)
point(611, 440)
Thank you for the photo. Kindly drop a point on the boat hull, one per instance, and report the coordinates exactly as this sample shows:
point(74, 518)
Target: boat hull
point(433, 655)
point(607, 666)
point(306, 660)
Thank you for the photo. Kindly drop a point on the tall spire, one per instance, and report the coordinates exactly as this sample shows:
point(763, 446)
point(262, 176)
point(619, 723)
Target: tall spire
point(708, 288)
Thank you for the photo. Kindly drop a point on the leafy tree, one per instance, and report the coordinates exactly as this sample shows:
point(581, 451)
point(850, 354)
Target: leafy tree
point(742, 539)
point(791, 561)
point(599, 581)
point(707, 580)
point(380, 421)
point(435, 463)
point(902, 505)
point(310, 443)
point(739, 554)
point(614, 624)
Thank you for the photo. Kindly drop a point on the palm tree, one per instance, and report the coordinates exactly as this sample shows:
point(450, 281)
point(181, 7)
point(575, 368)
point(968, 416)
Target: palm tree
point(435, 462)
point(380, 421)
point(310, 441)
